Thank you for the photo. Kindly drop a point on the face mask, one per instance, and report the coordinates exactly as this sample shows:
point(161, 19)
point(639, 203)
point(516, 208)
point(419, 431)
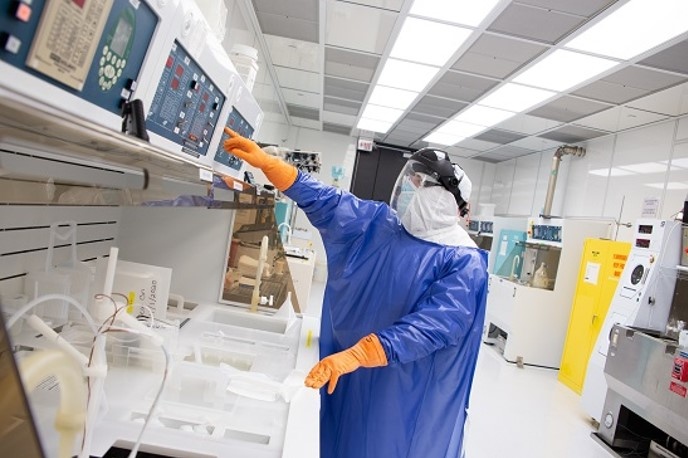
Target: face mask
point(405, 196)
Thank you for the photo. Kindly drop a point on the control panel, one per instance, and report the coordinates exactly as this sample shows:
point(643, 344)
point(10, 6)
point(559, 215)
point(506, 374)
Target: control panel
point(238, 124)
point(93, 49)
point(187, 104)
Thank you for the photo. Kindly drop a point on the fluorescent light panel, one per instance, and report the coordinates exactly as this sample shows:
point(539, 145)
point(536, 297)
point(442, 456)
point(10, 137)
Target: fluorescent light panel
point(381, 113)
point(406, 75)
point(467, 12)
point(561, 70)
point(443, 138)
point(516, 98)
point(374, 125)
point(428, 42)
point(483, 116)
point(459, 129)
point(634, 28)
point(391, 97)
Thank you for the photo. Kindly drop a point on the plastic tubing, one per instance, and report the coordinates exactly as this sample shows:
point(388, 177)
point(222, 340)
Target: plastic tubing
point(71, 414)
point(49, 297)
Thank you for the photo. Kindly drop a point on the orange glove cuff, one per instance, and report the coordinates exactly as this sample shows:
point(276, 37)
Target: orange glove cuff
point(369, 351)
point(281, 174)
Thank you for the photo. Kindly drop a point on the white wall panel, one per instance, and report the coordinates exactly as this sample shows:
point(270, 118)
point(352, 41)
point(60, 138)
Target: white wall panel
point(587, 181)
point(486, 184)
point(682, 133)
point(677, 182)
point(523, 187)
point(501, 190)
point(644, 149)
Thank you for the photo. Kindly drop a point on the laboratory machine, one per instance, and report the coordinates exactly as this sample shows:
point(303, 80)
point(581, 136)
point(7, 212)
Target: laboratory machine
point(114, 138)
point(481, 231)
point(643, 298)
point(527, 315)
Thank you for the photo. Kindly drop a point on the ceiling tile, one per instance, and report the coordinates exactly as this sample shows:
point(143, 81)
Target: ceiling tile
point(499, 136)
point(358, 27)
point(458, 152)
point(338, 118)
point(536, 143)
point(393, 5)
point(628, 84)
point(585, 8)
point(567, 109)
point(459, 86)
point(497, 56)
point(301, 9)
point(572, 134)
point(307, 123)
point(303, 112)
point(674, 58)
point(512, 151)
point(438, 107)
point(419, 127)
point(288, 27)
point(477, 145)
point(342, 106)
point(401, 138)
point(294, 53)
point(620, 118)
point(672, 101)
point(529, 125)
point(351, 65)
point(534, 23)
point(297, 79)
point(345, 89)
point(492, 158)
point(301, 98)
point(336, 128)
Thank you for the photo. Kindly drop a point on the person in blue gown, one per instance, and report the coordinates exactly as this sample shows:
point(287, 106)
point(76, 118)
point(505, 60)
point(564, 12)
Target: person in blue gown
point(403, 309)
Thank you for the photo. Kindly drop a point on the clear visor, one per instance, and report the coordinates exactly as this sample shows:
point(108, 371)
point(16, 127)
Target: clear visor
point(410, 179)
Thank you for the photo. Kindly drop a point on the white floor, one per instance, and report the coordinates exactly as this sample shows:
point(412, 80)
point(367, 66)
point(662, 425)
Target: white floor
point(518, 412)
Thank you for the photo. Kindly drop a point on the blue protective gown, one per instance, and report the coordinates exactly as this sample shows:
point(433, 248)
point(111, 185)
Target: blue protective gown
point(426, 303)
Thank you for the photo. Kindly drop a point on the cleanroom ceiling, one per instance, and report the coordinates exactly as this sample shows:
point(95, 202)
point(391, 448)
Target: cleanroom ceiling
point(522, 76)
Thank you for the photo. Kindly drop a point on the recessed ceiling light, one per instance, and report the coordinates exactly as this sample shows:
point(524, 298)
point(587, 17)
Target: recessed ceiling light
point(634, 28)
point(443, 139)
point(428, 42)
point(468, 12)
point(374, 125)
point(561, 70)
point(516, 98)
point(406, 75)
point(381, 113)
point(391, 97)
point(460, 129)
point(483, 116)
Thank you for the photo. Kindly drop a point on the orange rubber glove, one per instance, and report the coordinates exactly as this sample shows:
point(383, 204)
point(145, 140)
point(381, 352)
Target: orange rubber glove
point(368, 352)
point(281, 174)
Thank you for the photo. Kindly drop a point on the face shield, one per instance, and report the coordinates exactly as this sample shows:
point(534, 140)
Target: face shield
point(411, 179)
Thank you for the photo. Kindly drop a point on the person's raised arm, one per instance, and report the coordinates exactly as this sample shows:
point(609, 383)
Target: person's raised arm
point(281, 174)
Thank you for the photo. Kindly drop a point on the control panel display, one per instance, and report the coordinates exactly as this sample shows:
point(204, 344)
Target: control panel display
point(186, 104)
point(238, 124)
point(93, 49)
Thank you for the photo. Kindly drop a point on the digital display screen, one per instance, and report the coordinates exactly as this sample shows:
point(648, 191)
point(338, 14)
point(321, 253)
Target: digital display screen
point(645, 229)
point(642, 243)
point(238, 124)
point(121, 38)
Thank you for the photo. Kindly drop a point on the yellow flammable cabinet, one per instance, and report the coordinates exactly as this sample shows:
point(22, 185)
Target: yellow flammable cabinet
point(601, 266)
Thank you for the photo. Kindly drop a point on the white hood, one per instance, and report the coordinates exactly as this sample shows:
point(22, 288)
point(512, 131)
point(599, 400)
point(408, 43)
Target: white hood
point(433, 215)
